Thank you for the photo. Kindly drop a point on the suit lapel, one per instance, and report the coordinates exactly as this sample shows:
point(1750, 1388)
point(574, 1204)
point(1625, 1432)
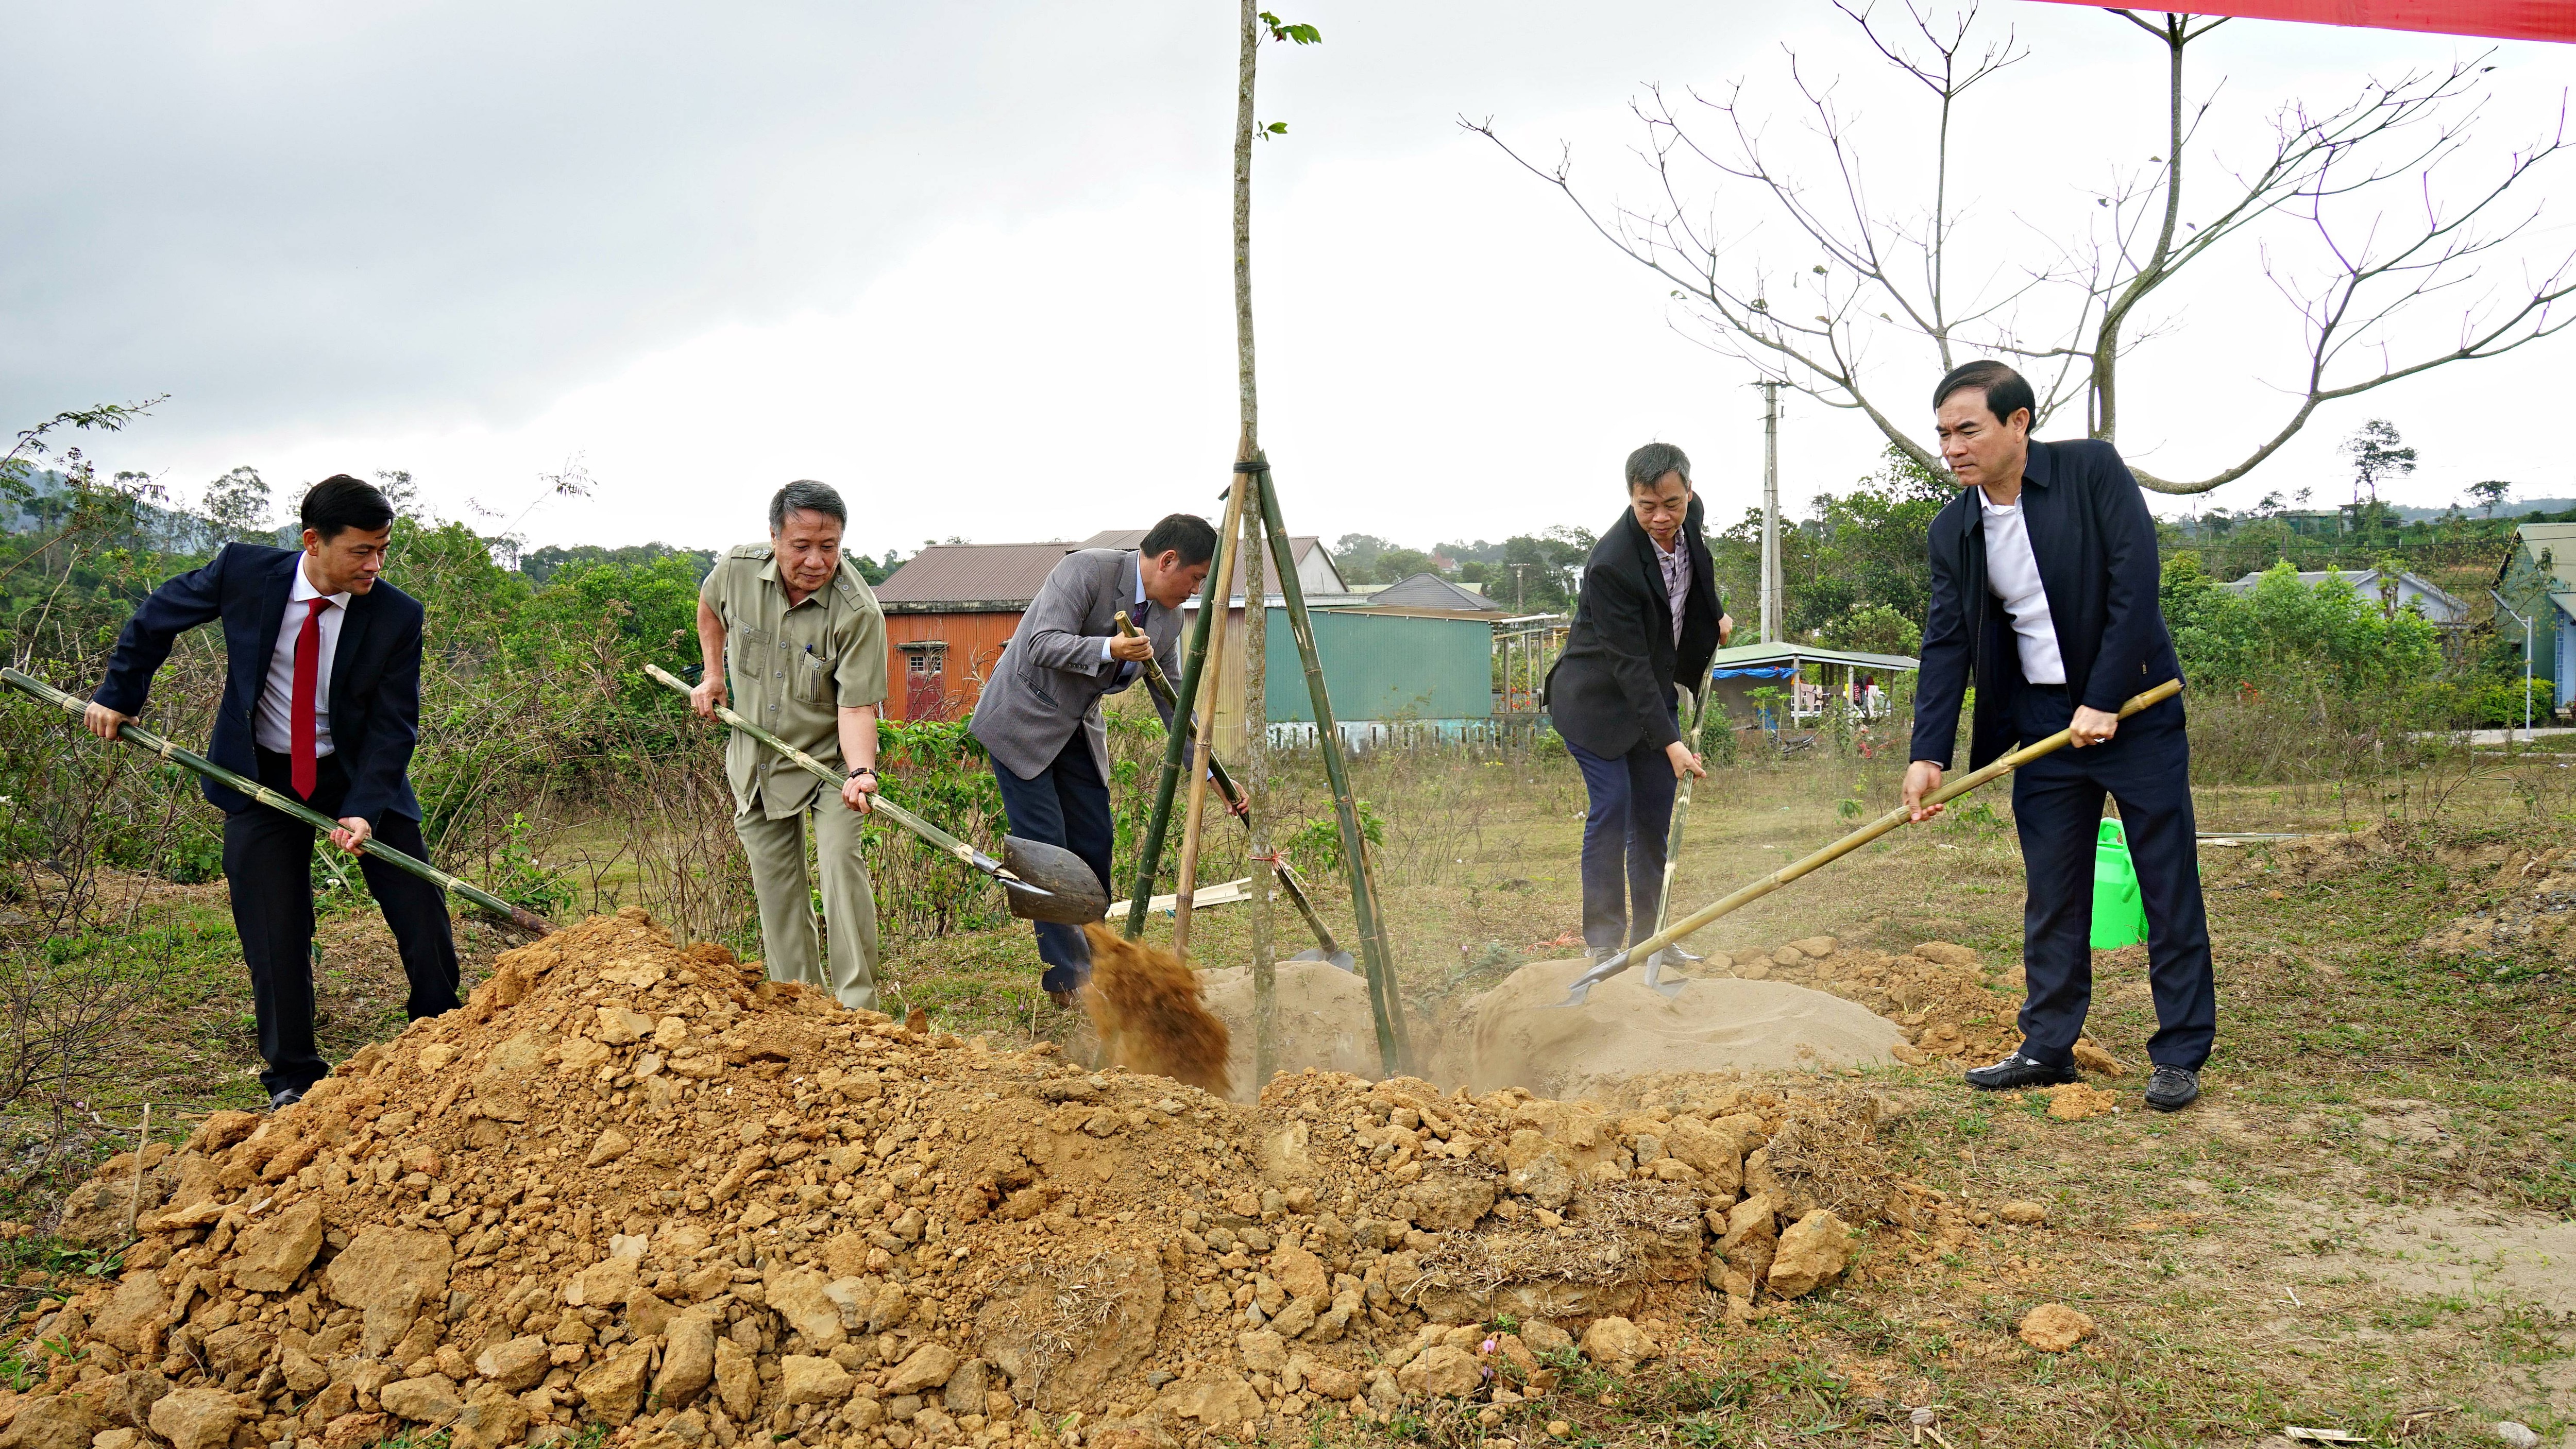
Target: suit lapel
point(1659, 603)
point(275, 587)
point(353, 627)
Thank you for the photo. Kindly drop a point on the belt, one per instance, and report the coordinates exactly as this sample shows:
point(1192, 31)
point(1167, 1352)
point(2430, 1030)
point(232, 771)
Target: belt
point(2047, 688)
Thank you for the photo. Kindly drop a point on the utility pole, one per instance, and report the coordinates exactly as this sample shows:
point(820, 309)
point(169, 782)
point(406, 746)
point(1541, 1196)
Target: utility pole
point(1770, 512)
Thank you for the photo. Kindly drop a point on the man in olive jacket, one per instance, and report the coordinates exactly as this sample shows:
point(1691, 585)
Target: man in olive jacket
point(1648, 618)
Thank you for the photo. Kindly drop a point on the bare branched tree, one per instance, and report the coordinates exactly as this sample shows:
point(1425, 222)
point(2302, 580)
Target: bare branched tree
point(2370, 196)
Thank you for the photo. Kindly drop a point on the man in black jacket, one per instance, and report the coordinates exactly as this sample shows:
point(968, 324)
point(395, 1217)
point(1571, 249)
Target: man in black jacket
point(321, 701)
point(2044, 581)
point(1648, 618)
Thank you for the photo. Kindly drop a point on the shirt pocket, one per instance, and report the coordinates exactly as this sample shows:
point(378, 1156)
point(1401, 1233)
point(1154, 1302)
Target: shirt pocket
point(812, 674)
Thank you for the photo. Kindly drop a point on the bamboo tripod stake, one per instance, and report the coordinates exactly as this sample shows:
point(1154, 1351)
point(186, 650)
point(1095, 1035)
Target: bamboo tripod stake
point(1256, 764)
point(1203, 714)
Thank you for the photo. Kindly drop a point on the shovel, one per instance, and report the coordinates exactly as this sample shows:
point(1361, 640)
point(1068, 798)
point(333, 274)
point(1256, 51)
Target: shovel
point(1326, 948)
point(1043, 882)
point(1698, 710)
point(1610, 966)
point(152, 744)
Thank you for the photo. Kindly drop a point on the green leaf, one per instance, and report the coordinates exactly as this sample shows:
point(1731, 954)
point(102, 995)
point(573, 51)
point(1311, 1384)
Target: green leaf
point(1282, 30)
point(1275, 128)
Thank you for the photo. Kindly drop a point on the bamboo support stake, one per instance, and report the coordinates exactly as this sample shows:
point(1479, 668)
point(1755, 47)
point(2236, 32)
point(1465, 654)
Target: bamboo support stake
point(1149, 853)
point(1256, 765)
point(1237, 802)
point(153, 744)
point(1203, 713)
point(1386, 1007)
point(1745, 896)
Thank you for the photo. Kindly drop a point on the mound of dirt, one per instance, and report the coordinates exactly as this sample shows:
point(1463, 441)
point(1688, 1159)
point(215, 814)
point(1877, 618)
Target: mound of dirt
point(1322, 1021)
point(1510, 1036)
point(1948, 1005)
point(628, 1186)
point(2534, 922)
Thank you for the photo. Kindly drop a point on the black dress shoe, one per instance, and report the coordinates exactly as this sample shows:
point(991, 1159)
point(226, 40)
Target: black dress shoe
point(281, 1100)
point(2019, 1071)
point(2173, 1088)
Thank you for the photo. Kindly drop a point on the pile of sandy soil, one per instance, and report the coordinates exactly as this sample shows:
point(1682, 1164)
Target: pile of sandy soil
point(1516, 1035)
point(629, 1186)
point(1938, 992)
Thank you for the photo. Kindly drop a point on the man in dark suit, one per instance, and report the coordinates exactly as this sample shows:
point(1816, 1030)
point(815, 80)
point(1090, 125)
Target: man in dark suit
point(1039, 715)
point(2044, 582)
point(322, 701)
point(1647, 619)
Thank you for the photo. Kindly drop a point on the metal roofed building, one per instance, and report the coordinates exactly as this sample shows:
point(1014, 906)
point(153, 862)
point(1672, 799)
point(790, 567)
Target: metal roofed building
point(2430, 599)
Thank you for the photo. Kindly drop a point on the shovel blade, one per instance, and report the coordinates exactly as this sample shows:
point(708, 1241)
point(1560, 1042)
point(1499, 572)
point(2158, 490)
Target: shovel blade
point(1341, 960)
point(1074, 895)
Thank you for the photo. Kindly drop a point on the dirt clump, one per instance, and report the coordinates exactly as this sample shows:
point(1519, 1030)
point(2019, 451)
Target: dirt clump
point(1145, 1006)
point(629, 1187)
point(2055, 1328)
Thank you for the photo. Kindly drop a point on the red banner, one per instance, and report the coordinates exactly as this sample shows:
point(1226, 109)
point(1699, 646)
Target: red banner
point(2502, 19)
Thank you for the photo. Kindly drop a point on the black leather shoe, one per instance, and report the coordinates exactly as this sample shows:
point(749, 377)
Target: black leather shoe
point(2018, 1071)
point(2173, 1088)
point(280, 1101)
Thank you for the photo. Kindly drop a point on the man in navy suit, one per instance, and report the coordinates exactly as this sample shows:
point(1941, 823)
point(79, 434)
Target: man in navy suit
point(2044, 588)
point(321, 701)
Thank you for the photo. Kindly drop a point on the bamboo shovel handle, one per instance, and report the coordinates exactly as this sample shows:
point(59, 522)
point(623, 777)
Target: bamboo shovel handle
point(153, 744)
point(1854, 841)
point(803, 761)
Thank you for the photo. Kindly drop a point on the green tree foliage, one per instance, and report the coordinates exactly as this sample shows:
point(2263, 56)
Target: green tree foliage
point(2378, 456)
point(1868, 549)
point(2286, 637)
point(1873, 629)
point(237, 505)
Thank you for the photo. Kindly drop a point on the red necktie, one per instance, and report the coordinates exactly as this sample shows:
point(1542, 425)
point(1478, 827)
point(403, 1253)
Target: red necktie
point(308, 674)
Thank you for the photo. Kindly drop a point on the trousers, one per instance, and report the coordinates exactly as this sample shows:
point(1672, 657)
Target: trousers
point(2057, 807)
point(1624, 834)
point(268, 867)
point(1066, 804)
point(788, 940)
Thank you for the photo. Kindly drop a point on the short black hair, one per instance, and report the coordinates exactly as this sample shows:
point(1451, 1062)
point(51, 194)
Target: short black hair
point(340, 503)
point(1650, 463)
point(2006, 392)
point(807, 496)
point(1194, 536)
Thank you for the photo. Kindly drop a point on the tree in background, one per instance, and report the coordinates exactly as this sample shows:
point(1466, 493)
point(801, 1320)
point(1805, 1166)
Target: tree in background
point(2490, 495)
point(2378, 455)
point(236, 506)
point(2356, 213)
point(1873, 629)
point(1862, 550)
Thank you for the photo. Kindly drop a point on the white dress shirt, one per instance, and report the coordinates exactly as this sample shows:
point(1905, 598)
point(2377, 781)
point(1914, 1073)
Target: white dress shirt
point(273, 725)
point(1675, 562)
point(2012, 574)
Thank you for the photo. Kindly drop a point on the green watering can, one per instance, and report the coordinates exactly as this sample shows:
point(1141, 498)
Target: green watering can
point(2119, 916)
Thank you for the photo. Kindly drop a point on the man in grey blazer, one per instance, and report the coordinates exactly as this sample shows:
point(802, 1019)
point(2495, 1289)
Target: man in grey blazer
point(1039, 715)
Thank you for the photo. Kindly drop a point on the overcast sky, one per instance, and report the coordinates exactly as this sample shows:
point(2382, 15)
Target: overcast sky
point(969, 263)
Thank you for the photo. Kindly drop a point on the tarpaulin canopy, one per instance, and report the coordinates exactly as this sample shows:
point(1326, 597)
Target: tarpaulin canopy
point(2503, 19)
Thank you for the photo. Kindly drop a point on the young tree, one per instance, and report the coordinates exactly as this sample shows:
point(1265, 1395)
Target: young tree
point(2355, 207)
point(2490, 495)
point(2378, 455)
